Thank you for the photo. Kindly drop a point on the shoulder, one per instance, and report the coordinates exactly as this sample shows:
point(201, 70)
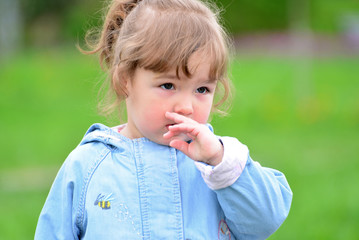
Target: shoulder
point(81, 163)
point(88, 153)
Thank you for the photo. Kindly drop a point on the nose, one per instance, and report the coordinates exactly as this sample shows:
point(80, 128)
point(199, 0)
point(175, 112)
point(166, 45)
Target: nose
point(184, 106)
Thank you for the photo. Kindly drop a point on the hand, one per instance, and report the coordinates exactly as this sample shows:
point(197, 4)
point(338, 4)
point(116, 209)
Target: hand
point(204, 147)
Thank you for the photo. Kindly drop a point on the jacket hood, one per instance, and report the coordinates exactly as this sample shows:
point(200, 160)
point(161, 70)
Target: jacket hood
point(109, 136)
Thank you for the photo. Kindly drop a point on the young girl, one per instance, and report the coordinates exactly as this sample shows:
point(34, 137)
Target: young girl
point(163, 174)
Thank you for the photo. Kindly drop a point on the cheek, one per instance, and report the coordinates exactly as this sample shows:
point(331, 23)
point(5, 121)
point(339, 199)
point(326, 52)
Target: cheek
point(202, 113)
point(153, 111)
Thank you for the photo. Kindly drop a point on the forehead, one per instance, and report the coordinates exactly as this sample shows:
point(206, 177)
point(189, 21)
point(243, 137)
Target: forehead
point(198, 68)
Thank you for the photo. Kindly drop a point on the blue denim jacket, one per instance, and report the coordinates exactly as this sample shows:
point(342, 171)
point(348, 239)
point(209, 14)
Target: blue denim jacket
point(112, 187)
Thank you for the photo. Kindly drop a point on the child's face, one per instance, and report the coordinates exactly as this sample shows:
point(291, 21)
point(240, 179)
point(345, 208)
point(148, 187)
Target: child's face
point(151, 95)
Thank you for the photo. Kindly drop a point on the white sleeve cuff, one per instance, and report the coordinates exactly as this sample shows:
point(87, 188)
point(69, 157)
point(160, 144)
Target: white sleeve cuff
point(228, 171)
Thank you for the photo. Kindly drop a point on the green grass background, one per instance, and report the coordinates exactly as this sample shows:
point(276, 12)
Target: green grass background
point(298, 115)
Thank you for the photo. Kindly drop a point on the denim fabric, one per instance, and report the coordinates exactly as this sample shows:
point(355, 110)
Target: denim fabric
point(111, 187)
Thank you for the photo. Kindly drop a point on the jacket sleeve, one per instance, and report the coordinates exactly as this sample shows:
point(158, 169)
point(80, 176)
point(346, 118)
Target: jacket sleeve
point(255, 200)
point(57, 216)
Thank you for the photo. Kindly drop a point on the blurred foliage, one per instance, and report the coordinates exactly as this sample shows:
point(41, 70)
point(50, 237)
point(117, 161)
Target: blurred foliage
point(68, 19)
point(33, 9)
point(327, 15)
point(248, 16)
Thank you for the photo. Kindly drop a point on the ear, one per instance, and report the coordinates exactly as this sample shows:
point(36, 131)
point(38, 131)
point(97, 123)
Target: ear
point(120, 83)
point(126, 84)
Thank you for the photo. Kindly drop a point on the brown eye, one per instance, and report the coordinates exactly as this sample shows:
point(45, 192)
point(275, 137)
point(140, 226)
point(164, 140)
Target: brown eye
point(167, 86)
point(202, 90)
